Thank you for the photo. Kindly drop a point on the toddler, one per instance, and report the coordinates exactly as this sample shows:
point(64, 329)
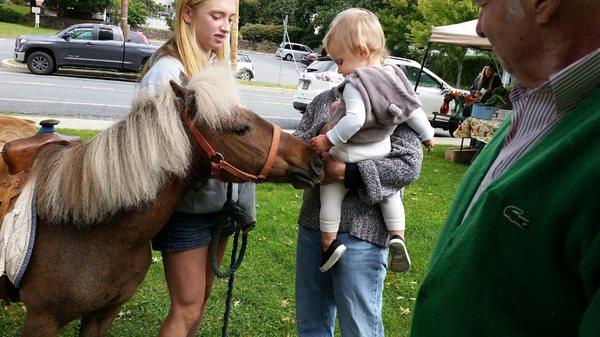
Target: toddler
point(373, 99)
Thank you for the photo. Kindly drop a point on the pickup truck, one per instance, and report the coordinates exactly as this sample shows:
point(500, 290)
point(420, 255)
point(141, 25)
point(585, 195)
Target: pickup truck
point(82, 45)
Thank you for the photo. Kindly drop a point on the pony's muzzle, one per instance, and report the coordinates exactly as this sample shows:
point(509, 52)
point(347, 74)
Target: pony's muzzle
point(302, 178)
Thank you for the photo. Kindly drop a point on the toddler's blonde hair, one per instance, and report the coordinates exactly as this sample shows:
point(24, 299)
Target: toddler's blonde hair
point(357, 29)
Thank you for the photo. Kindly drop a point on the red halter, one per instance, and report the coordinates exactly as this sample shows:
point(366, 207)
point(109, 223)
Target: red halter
point(218, 163)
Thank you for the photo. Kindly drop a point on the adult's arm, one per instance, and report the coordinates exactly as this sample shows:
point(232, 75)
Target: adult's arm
point(315, 116)
point(383, 177)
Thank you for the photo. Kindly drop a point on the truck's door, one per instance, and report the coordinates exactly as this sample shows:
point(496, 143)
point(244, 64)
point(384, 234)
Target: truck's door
point(108, 49)
point(76, 47)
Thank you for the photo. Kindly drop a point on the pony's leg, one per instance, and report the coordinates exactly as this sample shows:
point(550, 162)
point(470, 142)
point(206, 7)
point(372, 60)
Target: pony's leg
point(40, 325)
point(96, 324)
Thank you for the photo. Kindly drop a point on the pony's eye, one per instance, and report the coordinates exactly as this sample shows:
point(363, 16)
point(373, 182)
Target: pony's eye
point(242, 130)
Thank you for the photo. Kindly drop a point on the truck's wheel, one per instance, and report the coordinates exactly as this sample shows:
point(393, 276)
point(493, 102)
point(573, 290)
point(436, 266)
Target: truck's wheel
point(288, 57)
point(40, 63)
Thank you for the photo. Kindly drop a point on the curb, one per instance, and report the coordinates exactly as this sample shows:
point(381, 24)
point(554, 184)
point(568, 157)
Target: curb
point(12, 64)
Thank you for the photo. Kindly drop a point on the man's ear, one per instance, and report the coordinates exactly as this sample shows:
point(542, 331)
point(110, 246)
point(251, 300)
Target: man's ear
point(544, 9)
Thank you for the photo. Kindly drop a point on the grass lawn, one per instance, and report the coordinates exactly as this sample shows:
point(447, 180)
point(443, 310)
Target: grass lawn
point(13, 30)
point(263, 303)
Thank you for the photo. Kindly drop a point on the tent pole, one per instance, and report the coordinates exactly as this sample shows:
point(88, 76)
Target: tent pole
point(422, 65)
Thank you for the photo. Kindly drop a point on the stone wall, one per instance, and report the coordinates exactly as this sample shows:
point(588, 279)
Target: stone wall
point(263, 47)
point(156, 34)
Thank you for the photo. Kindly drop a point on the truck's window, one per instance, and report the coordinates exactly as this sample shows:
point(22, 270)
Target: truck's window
point(82, 33)
point(134, 38)
point(105, 34)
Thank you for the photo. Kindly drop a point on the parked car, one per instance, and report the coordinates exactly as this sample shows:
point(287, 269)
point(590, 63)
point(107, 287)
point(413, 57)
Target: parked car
point(245, 69)
point(323, 75)
point(309, 58)
point(292, 51)
point(83, 45)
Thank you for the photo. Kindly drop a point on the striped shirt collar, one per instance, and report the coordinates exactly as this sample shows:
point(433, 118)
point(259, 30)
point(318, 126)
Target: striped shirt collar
point(569, 86)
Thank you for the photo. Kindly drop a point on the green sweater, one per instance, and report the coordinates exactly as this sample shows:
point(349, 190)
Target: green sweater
point(526, 259)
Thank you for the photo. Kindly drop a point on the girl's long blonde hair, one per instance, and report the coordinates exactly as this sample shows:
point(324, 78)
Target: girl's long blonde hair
point(183, 45)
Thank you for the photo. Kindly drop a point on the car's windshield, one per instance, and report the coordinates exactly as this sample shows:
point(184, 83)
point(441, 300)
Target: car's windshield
point(321, 66)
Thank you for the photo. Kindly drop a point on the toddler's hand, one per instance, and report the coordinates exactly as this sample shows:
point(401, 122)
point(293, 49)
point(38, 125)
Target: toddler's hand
point(429, 143)
point(320, 144)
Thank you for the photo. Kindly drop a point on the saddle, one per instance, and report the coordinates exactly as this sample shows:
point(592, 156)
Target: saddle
point(18, 156)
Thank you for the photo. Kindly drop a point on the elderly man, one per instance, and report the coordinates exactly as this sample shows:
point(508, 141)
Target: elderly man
point(519, 254)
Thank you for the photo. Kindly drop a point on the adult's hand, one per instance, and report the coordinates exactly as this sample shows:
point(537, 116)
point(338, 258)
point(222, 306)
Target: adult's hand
point(334, 170)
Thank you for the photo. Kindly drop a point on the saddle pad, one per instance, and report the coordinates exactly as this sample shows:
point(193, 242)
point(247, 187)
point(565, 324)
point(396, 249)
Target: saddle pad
point(17, 235)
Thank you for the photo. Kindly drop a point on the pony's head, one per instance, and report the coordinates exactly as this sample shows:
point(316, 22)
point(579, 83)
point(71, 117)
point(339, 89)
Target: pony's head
point(239, 135)
point(128, 164)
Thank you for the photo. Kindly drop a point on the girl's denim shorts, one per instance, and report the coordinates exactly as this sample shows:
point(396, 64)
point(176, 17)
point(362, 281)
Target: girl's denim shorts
point(186, 231)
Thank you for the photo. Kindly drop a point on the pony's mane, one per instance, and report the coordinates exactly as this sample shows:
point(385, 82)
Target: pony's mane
point(126, 165)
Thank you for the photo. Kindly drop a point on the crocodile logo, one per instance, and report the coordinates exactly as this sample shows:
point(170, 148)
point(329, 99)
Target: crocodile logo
point(515, 215)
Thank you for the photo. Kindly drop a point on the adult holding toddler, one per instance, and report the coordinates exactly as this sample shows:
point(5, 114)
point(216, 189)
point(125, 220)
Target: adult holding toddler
point(352, 289)
point(374, 99)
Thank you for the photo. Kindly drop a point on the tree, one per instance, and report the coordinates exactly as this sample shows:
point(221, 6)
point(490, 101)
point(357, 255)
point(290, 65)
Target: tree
point(443, 12)
point(395, 17)
point(79, 9)
point(137, 12)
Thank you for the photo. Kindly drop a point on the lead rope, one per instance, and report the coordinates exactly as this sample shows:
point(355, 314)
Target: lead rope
point(241, 221)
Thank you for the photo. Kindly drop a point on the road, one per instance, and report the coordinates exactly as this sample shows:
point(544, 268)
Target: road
point(109, 99)
point(68, 96)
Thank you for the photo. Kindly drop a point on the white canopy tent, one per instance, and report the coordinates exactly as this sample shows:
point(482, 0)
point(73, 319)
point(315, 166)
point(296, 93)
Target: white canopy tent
point(462, 34)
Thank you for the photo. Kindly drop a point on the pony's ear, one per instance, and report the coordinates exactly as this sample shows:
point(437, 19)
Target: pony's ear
point(179, 90)
point(184, 79)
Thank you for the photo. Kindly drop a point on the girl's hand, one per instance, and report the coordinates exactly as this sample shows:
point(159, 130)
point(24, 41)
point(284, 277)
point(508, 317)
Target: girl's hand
point(320, 144)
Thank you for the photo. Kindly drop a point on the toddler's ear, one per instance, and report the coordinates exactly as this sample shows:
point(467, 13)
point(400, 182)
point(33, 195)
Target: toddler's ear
point(364, 52)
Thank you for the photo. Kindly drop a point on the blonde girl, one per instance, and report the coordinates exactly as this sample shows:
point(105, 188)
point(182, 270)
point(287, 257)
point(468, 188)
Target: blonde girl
point(201, 28)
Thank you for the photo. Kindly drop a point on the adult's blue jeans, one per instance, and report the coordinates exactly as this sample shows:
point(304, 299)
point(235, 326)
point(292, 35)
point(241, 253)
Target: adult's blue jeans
point(352, 289)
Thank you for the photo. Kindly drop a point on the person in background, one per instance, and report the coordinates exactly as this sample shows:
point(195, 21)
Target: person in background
point(486, 82)
point(201, 27)
point(519, 254)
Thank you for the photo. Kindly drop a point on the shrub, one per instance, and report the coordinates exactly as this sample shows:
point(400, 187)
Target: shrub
point(269, 33)
point(9, 15)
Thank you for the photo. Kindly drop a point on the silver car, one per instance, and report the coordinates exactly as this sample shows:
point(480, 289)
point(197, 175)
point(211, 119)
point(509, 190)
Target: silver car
point(292, 51)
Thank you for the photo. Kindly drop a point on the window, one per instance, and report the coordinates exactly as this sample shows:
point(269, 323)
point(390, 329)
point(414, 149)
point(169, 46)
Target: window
point(82, 34)
point(105, 34)
point(243, 58)
point(134, 38)
point(298, 47)
point(321, 66)
point(426, 80)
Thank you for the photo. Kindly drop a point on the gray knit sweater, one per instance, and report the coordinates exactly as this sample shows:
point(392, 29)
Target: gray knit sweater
point(361, 213)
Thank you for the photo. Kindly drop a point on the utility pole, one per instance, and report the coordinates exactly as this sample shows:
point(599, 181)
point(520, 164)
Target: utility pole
point(234, 37)
point(124, 26)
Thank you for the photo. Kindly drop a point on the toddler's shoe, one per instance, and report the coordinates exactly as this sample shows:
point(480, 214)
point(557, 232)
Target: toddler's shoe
point(332, 255)
point(398, 259)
